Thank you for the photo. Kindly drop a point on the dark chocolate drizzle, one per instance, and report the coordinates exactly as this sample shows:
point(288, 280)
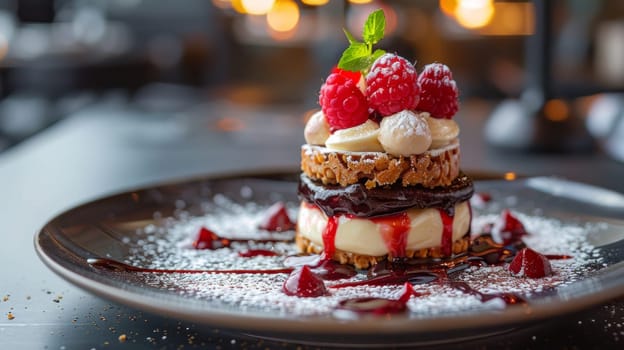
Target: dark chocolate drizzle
point(357, 200)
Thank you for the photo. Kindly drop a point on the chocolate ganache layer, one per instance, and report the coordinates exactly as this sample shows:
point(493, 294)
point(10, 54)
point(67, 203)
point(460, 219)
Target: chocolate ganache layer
point(357, 200)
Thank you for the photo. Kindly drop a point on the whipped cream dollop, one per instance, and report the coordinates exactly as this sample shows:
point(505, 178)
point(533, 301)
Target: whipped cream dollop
point(401, 134)
point(443, 131)
point(316, 130)
point(404, 133)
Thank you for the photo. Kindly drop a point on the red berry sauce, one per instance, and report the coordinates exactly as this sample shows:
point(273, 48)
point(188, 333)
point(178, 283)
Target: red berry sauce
point(306, 274)
point(302, 282)
point(394, 230)
point(446, 245)
point(114, 265)
point(558, 256)
point(250, 253)
point(208, 239)
point(379, 306)
point(329, 237)
point(395, 277)
point(508, 298)
point(324, 268)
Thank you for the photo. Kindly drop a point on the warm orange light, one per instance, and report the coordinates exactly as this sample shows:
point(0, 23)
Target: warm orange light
point(257, 7)
point(511, 18)
point(315, 2)
point(556, 110)
point(230, 124)
point(284, 16)
point(448, 7)
point(360, 1)
point(510, 176)
point(474, 14)
point(237, 5)
point(4, 46)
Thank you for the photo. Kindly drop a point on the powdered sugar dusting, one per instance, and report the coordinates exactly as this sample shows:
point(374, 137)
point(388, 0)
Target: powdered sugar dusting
point(167, 246)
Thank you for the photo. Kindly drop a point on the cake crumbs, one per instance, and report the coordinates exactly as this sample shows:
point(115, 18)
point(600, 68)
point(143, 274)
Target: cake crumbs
point(10, 316)
point(122, 338)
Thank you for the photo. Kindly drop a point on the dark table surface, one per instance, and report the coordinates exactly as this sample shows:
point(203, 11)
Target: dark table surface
point(111, 147)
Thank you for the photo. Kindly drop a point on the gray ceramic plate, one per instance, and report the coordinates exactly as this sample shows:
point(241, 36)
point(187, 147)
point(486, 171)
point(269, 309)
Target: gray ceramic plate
point(96, 229)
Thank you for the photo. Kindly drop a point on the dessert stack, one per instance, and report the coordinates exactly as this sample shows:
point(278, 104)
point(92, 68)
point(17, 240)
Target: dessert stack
point(380, 168)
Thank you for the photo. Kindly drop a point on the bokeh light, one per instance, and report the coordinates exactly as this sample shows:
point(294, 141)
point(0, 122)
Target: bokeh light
point(237, 5)
point(448, 7)
point(556, 110)
point(474, 14)
point(510, 176)
point(315, 2)
point(257, 7)
point(284, 16)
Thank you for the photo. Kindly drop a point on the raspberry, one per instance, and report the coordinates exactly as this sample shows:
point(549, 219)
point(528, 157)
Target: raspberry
point(355, 76)
point(438, 91)
point(391, 85)
point(343, 104)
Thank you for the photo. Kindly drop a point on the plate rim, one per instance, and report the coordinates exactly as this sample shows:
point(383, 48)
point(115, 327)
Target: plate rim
point(254, 321)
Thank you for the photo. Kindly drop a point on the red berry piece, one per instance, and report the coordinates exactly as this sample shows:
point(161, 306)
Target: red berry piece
point(408, 292)
point(529, 263)
point(372, 306)
point(250, 253)
point(207, 239)
point(480, 199)
point(276, 219)
point(391, 85)
point(438, 91)
point(302, 282)
point(484, 197)
point(511, 223)
point(509, 229)
point(329, 270)
point(353, 76)
point(342, 102)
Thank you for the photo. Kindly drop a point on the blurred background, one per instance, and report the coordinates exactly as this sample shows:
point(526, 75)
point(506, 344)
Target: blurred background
point(562, 58)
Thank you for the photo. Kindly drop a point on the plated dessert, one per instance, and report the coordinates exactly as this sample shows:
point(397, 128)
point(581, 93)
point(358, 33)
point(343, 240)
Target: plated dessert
point(384, 214)
point(381, 175)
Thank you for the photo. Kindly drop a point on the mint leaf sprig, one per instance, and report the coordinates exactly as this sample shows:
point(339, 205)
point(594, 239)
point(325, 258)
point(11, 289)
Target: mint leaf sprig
point(359, 56)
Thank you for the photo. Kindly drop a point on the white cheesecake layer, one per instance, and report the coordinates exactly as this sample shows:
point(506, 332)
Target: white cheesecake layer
point(363, 236)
